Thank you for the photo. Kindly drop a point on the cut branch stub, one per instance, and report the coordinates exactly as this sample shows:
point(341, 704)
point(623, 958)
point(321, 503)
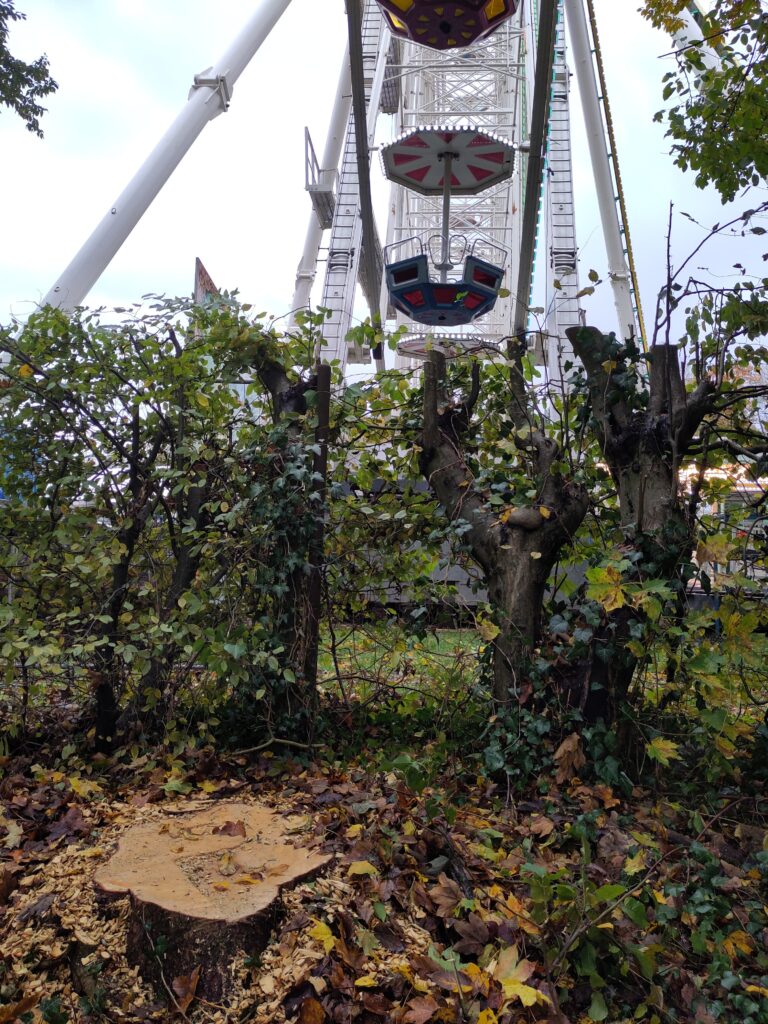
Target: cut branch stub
point(204, 887)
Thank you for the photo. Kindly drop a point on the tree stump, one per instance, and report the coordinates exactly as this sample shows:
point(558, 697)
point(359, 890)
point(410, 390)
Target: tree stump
point(204, 887)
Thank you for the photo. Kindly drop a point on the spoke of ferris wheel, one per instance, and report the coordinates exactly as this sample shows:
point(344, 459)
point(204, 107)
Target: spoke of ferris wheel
point(601, 167)
point(210, 95)
point(357, 71)
point(545, 52)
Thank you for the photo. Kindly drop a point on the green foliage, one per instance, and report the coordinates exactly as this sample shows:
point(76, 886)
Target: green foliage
point(146, 510)
point(718, 117)
point(22, 84)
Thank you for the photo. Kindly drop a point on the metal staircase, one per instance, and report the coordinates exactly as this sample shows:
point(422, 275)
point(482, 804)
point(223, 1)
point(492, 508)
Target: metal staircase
point(564, 308)
point(345, 250)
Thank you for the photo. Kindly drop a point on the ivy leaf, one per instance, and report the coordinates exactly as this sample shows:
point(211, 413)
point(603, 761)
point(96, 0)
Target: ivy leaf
point(598, 1010)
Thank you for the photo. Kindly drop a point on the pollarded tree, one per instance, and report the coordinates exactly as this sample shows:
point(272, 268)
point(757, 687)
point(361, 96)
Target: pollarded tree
point(517, 501)
point(664, 421)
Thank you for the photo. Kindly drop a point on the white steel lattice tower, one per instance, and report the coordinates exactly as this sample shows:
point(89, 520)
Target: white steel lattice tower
point(489, 85)
point(484, 85)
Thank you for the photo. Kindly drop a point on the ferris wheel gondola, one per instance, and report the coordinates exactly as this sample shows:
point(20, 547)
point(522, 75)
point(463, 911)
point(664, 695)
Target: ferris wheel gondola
point(445, 25)
point(445, 161)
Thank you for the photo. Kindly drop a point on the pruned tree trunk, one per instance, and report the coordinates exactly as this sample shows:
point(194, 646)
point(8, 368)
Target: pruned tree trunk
point(644, 439)
point(516, 550)
point(204, 888)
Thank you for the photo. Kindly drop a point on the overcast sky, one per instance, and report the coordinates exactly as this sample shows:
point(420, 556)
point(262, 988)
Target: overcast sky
point(124, 69)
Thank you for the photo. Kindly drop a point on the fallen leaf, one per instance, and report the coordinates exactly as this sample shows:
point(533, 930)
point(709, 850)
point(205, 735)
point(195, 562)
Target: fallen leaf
point(446, 894)
point(14, 836)
point(366, 981)
point(322, 933)
point(226, 864)
point(185, 987)
point(512, 973)
point(230, 828)
point(38, 909)
point(632, 865)
point(311, 1012)
point(362, 867)
point(15, 1010)
point(84, 787)
point(738, 942)
point(569, 758)
point(421, 1009)
point(542, 826)
point(9, 880)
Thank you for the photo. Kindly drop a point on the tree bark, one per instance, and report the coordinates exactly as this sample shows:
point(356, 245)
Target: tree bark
point(644, 443)
point(515, 551)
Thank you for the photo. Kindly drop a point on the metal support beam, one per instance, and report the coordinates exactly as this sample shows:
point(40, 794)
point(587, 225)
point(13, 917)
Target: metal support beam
point(545, 54)
point(307, 270)
point(618, 269)
point(208, 97)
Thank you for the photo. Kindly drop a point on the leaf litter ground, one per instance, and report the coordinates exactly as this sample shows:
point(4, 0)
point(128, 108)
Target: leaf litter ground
point(576, 906)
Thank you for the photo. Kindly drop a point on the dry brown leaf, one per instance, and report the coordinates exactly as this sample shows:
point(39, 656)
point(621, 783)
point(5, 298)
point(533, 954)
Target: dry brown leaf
point(542, 826)
point(185, 987)
point(447, 895)
point(569, 757)
point(230, 828)
point(311, 1012)
point(15, 1010)
point(9, 880)
point(421, 1009)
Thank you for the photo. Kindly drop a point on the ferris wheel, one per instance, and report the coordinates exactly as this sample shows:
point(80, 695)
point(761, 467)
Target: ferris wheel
point(474, 96)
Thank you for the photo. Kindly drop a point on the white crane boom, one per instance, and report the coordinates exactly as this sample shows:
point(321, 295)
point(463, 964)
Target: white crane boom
point(209, 96)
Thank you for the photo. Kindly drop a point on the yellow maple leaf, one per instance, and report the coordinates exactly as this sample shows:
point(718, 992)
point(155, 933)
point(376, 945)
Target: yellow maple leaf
point(487, 1017)
point(527, 995)
point(353, 831)
point(523, 917)
point(362, 867)
point(634, 864)
point(757, 989)
point(25, 370)
point(714, 549)
point(511, 972)
point(738, 942)
point(606, 587)
point(662, 750)
point(367, 981)
point(323, 934)
point(84, 787)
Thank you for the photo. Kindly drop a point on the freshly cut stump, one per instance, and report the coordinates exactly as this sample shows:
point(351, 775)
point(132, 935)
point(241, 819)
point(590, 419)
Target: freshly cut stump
point(203, 888)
